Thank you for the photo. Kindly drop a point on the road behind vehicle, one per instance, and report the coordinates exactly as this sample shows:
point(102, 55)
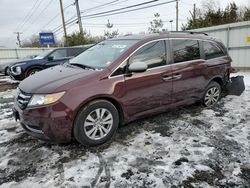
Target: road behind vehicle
point(24, 69)
point(121, 80)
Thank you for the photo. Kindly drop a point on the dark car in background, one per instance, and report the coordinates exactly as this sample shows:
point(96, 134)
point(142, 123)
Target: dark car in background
point(121, 80)
point(5, 67)
point(24, 69)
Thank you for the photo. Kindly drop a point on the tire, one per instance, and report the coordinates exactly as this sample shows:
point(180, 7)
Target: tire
point(32, 71)
point(212, 94)
point(90, 131)
point(7, 71)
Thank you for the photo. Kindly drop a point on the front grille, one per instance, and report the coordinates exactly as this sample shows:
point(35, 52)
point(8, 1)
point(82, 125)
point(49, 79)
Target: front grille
point(22, 98)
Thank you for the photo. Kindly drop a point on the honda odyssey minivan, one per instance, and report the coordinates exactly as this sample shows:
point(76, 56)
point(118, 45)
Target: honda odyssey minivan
point(118, 81)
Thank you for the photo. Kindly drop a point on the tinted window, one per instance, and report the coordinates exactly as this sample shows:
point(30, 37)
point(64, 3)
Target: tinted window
point(185, 50)
point(74, 51)
point(60, 53)
point(121, 70)
point(211, 50)
point(152, 54)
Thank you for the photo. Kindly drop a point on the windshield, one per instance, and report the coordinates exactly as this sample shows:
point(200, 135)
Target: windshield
point(103, 54)
point(43, 54)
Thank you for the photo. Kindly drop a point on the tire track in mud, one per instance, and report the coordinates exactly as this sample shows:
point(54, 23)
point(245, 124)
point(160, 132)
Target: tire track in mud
point(103, 167)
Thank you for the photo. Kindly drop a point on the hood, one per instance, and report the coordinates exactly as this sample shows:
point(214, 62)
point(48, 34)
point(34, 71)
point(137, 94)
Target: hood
point(48, 80)
point(27, 61)
point(12, 62)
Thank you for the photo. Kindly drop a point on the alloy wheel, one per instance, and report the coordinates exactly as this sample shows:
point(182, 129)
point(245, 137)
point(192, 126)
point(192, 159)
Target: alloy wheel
point(212, 96)
point(98, 123)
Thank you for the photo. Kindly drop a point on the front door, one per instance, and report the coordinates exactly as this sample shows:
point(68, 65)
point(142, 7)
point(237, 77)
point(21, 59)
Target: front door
point(149, 91)
point(59, 56)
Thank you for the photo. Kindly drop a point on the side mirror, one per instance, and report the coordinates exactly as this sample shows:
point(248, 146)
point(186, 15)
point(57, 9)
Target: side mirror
point(51, 58)
point(138, 67)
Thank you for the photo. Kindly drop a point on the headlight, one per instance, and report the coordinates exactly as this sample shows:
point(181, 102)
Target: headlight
point(18, 70)
point(44, 99)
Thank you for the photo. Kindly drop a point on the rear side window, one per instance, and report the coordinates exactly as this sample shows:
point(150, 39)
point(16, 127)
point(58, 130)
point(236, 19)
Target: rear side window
point(211, 50)
point(185, 50)
point(153, 54)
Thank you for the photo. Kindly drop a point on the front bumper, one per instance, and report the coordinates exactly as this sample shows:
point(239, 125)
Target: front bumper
point(16, 77)
point(50, 123)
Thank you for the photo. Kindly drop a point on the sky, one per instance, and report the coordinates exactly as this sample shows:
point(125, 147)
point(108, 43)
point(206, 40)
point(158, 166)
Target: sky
point(20, 16)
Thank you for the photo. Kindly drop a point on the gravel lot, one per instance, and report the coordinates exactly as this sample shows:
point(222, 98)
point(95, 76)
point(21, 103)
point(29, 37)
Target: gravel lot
point(187, 147)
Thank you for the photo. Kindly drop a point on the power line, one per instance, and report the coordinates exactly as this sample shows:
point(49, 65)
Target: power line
point(99, 6)
point(35, 19)
point(95, 8)
point(58, 14)
point(121, 12)
point(114, 10)
point(128, 7)
point(87, 10)
point(103, 6)
point(110, 12)
point(29, 14)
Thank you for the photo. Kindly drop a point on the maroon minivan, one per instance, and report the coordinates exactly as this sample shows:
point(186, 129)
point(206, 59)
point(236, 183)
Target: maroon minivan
point(120, 80)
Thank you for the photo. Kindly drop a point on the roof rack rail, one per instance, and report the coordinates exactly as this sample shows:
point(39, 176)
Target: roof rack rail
point(190, 32)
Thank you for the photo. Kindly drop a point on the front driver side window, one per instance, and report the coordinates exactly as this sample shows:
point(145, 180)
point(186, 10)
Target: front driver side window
point(59, 54)
point(153, 54)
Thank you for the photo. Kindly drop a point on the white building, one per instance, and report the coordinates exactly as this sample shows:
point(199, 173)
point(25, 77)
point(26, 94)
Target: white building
point(236, 37)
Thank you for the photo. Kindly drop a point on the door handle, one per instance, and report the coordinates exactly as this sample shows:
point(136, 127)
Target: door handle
point(177, 76)
point(167, 78)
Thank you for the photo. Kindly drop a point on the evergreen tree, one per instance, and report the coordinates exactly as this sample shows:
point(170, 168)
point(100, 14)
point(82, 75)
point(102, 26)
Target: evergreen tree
point(156, 25)
point(211, 16)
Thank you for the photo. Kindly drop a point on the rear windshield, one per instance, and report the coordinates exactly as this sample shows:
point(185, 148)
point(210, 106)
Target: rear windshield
point(103, 54)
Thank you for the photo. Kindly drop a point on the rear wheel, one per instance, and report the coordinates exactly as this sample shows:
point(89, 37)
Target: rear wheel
point(32, 71)
point(96, 123)
point(212, 94)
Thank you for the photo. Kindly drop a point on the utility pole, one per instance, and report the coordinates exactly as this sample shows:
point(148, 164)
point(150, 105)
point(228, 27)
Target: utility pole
point(18, 38)
point(79, 17)
point(193, 14)
point(177, 15)
point(63, 21)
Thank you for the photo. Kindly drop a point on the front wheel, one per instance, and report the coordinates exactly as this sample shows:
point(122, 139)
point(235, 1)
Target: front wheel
point(7, 71)
point(96, 123)
point(32, 71)
point(212, 94)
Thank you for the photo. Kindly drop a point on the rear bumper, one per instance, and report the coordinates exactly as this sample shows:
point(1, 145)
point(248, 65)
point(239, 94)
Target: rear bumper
point(45, 123)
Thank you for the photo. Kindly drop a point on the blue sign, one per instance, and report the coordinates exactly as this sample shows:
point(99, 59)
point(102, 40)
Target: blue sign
point(46, 38)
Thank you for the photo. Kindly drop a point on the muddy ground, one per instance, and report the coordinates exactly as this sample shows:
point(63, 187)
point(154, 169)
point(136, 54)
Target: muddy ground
point(188, 147)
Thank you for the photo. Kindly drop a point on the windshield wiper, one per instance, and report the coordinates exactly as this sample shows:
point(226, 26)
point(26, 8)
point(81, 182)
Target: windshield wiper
point(82, 66)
